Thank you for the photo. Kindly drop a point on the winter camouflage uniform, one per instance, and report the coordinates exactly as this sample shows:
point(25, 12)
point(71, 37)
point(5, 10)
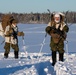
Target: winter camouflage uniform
point(11, 39)
point(57, 31)
point(57, 41)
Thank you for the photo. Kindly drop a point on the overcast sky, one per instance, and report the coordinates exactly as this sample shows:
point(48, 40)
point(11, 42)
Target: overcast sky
point(27, 6)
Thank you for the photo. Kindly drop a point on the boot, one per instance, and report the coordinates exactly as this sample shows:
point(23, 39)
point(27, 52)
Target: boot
point(5, 55)
point(61, 56)
point(53, 58)
point(16, 54)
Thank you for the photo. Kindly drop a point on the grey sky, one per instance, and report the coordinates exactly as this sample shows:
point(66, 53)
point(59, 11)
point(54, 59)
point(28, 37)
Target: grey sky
point(27, 6)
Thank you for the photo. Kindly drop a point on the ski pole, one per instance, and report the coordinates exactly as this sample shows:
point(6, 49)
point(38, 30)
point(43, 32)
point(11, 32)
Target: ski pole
point(66, 21)
point(67, 48)
point(24, 47)
point(42, 45)
point(2, 42)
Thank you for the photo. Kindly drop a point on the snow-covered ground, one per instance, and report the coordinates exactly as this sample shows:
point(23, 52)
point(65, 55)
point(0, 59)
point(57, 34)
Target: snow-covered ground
point(35, 54)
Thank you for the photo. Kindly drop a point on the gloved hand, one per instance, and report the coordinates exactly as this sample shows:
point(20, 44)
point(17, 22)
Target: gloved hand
point(48, 29)
point(20, 34)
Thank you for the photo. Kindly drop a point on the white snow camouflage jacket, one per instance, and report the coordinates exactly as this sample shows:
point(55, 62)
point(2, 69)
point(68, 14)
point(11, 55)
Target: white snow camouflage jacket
point(11, 38)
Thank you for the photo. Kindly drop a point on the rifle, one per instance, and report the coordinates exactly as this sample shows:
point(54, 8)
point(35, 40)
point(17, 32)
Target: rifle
point(58, 31)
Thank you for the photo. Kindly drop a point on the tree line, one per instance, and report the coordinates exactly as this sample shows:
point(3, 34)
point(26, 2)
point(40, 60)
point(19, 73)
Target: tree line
point(39, 17)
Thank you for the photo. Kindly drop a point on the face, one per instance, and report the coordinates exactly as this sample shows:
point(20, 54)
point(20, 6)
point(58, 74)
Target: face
point(14, 24)
point(57, 18)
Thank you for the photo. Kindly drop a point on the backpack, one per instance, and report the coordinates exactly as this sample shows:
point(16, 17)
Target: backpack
point(6, 20)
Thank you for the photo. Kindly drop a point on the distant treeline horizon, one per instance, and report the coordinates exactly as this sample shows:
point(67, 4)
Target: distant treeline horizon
point(39, 17)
